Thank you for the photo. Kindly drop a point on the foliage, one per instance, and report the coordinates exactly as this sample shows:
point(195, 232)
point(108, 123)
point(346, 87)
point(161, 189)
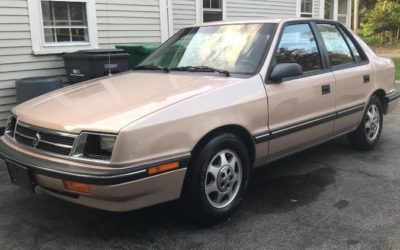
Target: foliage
point(397, 68)
point(382, 22)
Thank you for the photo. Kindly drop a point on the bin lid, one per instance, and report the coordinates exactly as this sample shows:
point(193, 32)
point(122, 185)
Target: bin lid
point(139, 47)
point(97, 51)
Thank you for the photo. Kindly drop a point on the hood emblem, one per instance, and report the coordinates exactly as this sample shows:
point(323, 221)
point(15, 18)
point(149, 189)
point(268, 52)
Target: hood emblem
point(36, 139)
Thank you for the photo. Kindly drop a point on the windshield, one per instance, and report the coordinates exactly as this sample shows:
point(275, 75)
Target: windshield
point(236, 48)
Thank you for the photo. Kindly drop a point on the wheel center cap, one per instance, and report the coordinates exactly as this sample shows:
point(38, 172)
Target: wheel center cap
point(225, 178)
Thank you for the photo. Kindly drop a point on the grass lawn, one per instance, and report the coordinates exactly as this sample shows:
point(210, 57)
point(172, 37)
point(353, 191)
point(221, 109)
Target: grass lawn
point(397, 62)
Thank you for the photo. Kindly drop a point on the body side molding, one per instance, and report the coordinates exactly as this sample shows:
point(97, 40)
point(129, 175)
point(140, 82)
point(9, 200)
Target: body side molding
point(270, 135)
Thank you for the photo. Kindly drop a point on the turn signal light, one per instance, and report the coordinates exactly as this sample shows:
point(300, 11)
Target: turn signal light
point(78, 187)
point(163, 168)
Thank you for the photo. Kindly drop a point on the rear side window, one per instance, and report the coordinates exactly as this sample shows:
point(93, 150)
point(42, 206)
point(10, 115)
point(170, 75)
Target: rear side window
point(298, 45)
point(338, 50)
point(353, 48)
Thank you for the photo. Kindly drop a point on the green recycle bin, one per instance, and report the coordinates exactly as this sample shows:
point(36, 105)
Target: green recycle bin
point(138, 52)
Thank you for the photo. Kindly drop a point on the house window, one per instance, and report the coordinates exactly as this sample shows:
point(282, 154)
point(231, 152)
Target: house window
point(64, 22)
point(59, 26)
point(212, 10)
point(306, 9)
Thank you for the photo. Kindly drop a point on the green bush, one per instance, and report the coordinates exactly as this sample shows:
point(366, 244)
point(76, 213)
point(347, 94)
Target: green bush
point(382, 23)
point(397, 68)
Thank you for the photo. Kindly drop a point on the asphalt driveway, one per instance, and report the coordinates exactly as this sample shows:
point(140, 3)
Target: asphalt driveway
point(329, 197)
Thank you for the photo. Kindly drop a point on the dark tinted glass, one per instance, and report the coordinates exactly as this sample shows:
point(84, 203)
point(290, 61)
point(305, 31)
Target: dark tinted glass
point(212, 16)
point(206, 3)
point(306, 6)
point(338, 51)
point(216, 4)
point(298, 45)
point(77, 13)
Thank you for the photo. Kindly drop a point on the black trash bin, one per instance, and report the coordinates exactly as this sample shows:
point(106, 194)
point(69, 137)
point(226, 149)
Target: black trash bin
point(28, 88)
point(89, 64)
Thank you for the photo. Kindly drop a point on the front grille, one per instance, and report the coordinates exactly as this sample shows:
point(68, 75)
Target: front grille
point(45, 140)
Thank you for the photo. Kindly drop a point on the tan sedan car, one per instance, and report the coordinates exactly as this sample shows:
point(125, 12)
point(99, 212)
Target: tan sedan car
point(198, 114)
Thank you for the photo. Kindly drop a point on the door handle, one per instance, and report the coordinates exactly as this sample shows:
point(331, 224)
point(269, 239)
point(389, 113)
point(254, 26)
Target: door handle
point(326, 89)
point(366, 78)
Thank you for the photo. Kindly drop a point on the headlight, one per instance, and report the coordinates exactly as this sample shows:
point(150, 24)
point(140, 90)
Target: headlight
point(94, 146)
point(10, 125)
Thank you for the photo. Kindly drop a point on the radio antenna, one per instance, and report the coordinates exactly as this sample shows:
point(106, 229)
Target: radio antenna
point(108, 41)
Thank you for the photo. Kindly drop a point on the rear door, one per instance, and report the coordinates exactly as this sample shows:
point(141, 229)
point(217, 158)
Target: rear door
point(352, 72)
point(301, 109)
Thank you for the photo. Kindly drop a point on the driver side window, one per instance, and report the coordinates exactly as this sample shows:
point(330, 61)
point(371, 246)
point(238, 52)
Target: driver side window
point(298, 45)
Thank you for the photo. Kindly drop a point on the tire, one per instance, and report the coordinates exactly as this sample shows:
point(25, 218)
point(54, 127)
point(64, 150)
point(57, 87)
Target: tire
point(367, 135)
point(213, 189)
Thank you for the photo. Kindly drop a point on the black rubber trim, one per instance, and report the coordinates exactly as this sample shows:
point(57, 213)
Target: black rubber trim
point(263, 137)
point(349, 111)
point(270, 135)
point(105, 176)
point(393, 96)
point(303, 125)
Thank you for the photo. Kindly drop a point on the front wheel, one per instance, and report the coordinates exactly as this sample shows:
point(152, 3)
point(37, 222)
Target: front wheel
point(216, 179)
point(367, 135)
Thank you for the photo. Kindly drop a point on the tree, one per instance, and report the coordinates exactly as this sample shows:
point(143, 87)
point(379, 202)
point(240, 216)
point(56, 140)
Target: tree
point(383, 20)
point(360, 5)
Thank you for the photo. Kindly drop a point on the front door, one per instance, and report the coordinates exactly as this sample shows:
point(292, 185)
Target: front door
point(301, 110)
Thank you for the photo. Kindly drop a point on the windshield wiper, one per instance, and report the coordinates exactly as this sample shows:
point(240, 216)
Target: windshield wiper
point(202, 69)
point(151, 67)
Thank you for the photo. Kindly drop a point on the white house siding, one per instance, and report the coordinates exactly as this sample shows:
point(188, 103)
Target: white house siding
point(127, 21)
point(184, 13)
point(16, 59)
point(316, 9)
point(258, 9)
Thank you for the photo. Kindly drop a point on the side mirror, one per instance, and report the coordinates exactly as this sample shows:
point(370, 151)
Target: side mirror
point(283, 70)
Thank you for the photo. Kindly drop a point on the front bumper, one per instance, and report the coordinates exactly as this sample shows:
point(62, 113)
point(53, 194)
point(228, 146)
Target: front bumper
point(392, 100)
point(113, 189)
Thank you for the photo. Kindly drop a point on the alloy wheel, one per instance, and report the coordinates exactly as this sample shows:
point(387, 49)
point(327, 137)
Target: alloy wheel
point(223, 178)
point(372, 122)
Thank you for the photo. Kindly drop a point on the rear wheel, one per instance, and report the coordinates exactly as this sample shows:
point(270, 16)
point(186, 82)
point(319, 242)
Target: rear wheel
point(367, 135)
point(216, 179)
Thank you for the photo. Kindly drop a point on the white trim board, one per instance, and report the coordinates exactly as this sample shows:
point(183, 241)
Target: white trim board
point(166, 20)
point(322, 9)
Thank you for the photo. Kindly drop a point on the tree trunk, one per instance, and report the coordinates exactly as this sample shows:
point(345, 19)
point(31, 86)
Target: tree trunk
point(355, 16)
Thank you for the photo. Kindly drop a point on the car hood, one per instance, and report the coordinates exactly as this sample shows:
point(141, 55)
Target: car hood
point(110, 103)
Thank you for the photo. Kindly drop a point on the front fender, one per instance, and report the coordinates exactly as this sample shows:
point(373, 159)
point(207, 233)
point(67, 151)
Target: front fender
point(175, 130)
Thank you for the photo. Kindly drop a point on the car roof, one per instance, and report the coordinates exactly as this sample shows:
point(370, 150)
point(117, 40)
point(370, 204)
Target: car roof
point(258, 21)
